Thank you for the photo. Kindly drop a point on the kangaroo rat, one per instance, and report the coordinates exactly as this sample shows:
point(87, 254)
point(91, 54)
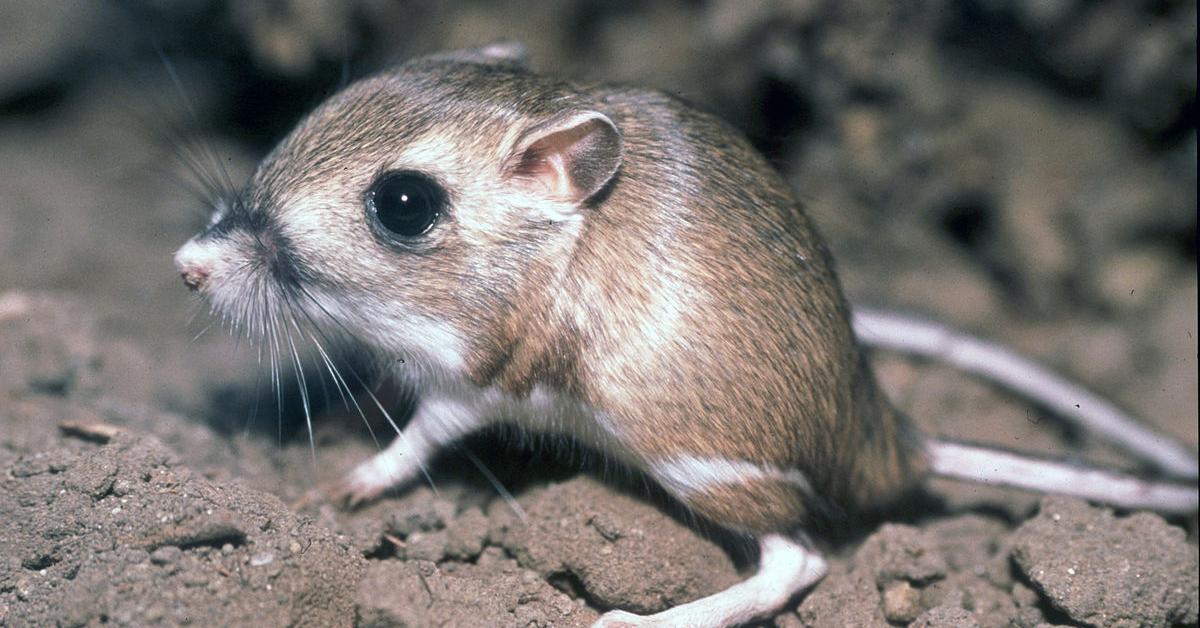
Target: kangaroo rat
point(615, 266)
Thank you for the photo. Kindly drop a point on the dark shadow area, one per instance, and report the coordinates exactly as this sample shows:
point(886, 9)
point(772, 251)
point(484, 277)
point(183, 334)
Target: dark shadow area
point(278, 410)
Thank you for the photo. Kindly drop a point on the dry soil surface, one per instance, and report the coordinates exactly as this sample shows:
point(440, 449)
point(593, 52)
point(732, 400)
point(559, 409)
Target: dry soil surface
point(1026, 171)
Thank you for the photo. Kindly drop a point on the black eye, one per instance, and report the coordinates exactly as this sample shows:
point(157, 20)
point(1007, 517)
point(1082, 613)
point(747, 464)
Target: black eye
point(406, 203)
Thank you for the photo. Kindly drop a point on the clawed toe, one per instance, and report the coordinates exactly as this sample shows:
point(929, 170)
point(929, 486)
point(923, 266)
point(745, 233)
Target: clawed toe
point(353, 492)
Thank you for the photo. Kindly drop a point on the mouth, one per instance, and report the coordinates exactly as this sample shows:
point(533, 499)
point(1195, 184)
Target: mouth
point(194, 279)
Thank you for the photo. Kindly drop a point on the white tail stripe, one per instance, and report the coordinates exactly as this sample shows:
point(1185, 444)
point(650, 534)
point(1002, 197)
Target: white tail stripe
point(692, 475)
point(1023, 376)
point(990, 466)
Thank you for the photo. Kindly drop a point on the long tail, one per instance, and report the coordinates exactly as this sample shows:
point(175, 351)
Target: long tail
point(995, 466)
point(991, 361)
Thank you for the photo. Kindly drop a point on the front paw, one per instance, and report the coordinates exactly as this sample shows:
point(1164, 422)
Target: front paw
point(360, 486)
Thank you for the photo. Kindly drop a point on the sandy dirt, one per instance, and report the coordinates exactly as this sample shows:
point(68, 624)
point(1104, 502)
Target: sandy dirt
point(1024, 171)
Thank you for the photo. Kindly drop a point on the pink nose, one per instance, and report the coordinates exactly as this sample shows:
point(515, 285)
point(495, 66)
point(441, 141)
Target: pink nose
point(194, 278)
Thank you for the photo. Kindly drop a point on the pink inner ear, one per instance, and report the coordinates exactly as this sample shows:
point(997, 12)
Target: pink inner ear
point(548, 171)
point(559, 162)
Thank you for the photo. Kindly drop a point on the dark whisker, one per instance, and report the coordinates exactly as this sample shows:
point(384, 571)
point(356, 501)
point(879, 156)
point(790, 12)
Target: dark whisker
point(226, 182)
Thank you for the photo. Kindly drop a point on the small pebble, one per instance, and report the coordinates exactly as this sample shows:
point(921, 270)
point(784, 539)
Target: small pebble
point(946, 617)
point(154, 614)
point(195, 579)
point(563, 604)
point(901, 602)
point(165, 555)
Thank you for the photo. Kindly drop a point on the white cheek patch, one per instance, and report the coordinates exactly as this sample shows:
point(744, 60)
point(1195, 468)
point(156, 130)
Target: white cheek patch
point(308, 215)
point(432, 349)
point(685, 476)
point(430, 339)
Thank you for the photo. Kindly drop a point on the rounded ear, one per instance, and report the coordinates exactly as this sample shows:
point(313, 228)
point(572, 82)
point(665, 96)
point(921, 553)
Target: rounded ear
point(506, 52)
point(570, 157)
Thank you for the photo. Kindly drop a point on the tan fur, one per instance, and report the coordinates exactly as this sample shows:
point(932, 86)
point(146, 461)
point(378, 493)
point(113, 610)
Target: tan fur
point(758, 506)
point(690, 302)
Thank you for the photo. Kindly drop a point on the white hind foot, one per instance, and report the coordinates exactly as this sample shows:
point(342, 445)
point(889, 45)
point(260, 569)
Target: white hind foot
point(785, 567)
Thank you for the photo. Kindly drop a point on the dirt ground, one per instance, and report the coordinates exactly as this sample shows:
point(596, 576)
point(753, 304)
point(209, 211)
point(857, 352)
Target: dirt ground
point(1025, 171)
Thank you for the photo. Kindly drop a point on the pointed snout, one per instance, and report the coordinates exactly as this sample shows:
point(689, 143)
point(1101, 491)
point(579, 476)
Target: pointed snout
point(195, 263)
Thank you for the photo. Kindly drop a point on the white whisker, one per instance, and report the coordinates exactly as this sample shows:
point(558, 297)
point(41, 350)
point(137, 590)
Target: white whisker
point(399, 432)
point(495, 481)
point(341, 381)
point(303, 385)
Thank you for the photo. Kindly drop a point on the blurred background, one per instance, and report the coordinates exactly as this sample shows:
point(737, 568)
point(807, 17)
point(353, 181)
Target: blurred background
point(1025, 169)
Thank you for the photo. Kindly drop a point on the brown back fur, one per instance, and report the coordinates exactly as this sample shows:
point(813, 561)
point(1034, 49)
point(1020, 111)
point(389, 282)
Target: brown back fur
point(695, 305)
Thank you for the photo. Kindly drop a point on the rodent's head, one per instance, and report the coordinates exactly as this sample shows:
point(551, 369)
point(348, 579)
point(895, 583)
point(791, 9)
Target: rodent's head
point(414, 209)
